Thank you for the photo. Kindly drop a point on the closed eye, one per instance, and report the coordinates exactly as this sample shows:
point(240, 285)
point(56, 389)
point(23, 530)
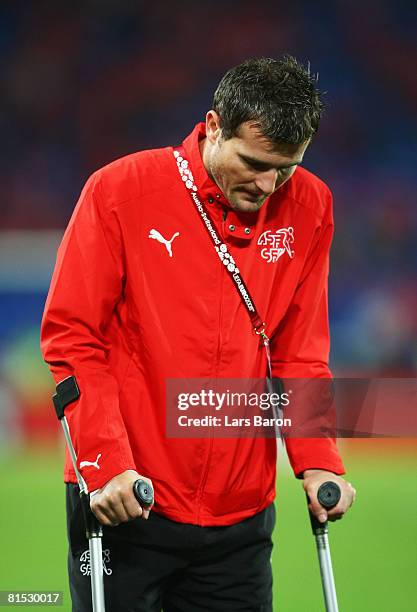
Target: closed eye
point(254, 165)
point(260, 167)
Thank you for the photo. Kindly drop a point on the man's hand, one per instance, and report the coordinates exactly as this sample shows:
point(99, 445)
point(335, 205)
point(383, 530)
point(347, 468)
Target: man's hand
point(311, 483)
point(116, 503)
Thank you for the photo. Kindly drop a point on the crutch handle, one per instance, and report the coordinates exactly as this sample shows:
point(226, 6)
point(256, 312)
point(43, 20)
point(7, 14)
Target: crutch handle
point(328, 496)
point(143, 492)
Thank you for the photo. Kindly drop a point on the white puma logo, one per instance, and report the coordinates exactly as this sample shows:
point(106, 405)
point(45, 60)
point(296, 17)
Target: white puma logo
point(157, 236)
point(95, 463)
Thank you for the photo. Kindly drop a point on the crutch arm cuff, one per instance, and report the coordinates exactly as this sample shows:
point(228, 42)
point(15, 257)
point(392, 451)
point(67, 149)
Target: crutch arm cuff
point(67, 391)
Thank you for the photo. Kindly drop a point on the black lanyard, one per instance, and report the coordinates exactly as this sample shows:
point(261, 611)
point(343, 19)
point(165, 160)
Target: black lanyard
point(222, 251)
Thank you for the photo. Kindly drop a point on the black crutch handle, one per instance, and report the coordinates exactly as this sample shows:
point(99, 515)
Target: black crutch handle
point(143, 492)
point(328, 495)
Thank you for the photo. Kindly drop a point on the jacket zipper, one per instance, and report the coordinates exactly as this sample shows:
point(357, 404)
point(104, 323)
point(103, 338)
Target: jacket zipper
point(219, 348)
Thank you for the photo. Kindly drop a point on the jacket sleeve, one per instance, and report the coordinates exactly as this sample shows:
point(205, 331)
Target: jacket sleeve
point(86, 286)
point(300, 347)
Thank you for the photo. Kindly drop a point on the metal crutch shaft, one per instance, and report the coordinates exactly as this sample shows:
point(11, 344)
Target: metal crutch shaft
point(328, 496)
point(67, 392)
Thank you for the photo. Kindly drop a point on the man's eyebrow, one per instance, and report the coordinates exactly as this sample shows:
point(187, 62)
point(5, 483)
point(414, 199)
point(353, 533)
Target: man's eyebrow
point(259, 162)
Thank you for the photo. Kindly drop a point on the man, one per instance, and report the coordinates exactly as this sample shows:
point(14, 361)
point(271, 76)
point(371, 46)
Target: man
point(140, 296)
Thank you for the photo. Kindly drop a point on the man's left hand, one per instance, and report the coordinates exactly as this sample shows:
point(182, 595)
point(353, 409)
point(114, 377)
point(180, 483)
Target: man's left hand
point(311, 483)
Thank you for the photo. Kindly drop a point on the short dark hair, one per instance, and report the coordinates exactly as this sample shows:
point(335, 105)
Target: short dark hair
point(279, 96)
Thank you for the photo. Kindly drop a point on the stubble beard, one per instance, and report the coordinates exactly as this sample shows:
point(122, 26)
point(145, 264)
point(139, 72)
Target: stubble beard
point(215, 174)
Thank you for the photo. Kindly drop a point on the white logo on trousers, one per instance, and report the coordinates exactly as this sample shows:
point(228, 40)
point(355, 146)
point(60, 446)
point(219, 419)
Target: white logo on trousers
point(157, 236)
point(85, 564)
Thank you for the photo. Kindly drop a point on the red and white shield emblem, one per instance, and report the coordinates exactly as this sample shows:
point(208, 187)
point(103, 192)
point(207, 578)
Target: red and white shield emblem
point(276, 244)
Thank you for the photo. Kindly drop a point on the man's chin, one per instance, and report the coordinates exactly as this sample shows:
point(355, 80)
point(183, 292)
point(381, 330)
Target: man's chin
point(247, 204)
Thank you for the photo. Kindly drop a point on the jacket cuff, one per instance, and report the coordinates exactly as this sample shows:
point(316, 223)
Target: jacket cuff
point(97, 481)
point(314, 453)
point(112, 463)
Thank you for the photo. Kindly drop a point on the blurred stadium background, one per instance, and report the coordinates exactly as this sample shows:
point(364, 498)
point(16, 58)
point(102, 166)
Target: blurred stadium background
point(83, 83)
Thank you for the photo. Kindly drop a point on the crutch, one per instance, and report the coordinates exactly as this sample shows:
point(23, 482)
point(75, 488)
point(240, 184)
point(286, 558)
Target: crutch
point(328, 496)
point(67, 391)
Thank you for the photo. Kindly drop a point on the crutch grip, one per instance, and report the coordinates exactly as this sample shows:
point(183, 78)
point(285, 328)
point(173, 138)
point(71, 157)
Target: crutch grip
point(143, 492)
point(328, 496)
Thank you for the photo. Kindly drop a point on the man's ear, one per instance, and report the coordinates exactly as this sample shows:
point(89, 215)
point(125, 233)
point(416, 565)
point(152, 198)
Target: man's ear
point(213, 130)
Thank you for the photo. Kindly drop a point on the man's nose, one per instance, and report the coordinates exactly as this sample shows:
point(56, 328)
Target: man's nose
point(266, 181)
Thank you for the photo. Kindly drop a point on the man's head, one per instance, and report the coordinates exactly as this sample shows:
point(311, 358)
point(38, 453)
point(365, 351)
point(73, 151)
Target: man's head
point(264, 115)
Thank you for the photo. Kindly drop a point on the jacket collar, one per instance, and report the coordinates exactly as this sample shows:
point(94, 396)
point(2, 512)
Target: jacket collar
point(207, 188)
point(240, 225)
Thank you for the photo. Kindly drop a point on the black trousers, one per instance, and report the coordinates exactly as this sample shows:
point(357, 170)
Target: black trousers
point(177, 567)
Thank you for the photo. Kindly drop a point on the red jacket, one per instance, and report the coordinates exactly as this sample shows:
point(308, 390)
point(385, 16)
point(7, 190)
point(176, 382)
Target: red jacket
point(123, 315)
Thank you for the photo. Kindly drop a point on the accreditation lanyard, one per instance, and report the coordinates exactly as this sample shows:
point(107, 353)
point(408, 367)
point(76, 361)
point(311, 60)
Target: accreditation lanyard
point(222, 251)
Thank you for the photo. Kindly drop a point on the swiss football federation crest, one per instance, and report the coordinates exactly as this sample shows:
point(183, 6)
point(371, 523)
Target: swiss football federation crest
point(276, 243)
point(85, 565)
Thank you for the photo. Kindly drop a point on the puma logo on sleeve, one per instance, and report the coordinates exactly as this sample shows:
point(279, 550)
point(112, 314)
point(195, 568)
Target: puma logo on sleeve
point(94, 463)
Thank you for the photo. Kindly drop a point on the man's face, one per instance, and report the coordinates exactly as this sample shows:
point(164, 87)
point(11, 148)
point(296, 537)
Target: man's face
point(247, 167)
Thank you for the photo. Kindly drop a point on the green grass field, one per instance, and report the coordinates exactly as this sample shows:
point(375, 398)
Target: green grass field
point(374, 549)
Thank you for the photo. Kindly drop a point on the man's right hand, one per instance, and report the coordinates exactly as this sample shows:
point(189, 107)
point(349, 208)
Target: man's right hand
point(116, 503)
